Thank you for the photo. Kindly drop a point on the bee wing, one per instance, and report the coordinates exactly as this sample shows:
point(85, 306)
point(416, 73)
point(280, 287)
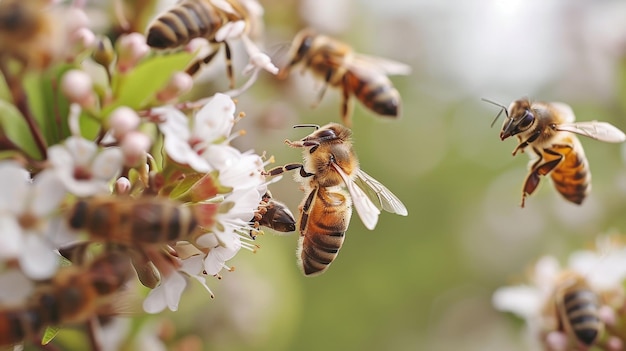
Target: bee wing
point(368, 212)
point(389, 67)
point(602, 131)
point(379, 194)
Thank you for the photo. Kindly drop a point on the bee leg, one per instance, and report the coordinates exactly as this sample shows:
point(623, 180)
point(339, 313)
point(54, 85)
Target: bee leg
point(551, 160)
point(524, 144)
point(289, 167)
point(229, 66)
point(322, 91)
point(305, 208)
point(195, 66)
point(346, 106)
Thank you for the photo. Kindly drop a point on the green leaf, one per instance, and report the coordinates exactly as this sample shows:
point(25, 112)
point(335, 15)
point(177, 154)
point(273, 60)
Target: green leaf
point(49, 334)
point(137, 88)
point(13, 125)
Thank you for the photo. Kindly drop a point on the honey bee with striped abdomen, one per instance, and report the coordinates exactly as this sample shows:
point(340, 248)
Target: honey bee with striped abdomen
point(356, 74)
point(330, 165)
point(549, 131)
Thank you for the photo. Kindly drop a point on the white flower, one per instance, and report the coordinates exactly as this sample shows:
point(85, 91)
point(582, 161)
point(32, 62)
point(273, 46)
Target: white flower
point(258, 61)
point(186, 142)
point(83, 169)
point(168, 293)
point(25, 209)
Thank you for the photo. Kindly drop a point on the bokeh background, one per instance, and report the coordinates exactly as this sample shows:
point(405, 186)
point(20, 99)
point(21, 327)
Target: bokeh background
point(424, 282)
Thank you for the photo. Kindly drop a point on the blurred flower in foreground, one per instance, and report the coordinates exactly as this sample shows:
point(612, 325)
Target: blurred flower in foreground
point(565, 308)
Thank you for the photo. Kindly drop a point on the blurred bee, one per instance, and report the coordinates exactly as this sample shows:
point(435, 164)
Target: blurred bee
point(209, 19)
point(29, 33)
point(577, 308)
point(356, 74)
point(274, 215)
point(330, 164)
point(74, 295)
point(549, 130)
point(129, 221)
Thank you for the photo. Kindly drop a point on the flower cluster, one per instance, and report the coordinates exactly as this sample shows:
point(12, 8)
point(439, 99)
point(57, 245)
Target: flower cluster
point(572, 307)
point(116, 126)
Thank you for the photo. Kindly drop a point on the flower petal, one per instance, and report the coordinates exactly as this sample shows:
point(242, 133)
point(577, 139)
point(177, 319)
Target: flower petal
point(11, 241)
point(14, 183)
point(38, 260)
point(215, 119)
point(48, 192)
point(522, 300)
point(15, 287)
point(81, 150)
point(108, 163)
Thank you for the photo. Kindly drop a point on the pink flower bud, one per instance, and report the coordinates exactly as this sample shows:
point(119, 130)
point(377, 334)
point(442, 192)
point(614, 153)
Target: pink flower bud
point(122, 121)
point(130, 49)
point(134, 147)
point(122, 186)
point(196, 44)
point(76, 85)
point(83, 38)
point(178, 84)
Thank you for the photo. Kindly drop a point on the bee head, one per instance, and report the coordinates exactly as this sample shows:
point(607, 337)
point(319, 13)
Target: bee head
point(520, 118)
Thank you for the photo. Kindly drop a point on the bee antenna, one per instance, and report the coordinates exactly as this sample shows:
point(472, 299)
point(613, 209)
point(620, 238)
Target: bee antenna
point(307, 126)
point(502, 108)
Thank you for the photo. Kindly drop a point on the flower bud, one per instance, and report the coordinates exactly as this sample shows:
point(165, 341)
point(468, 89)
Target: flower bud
point(77, 86)
point(122, 186)
point(130, 49)
point(122, 121)
point(134, 147)
point(178, 84)
point(103, 53)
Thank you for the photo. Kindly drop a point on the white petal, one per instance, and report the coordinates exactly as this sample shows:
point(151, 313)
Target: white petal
point(230, 30)
point(221, 156)
point(208, 240)
point(546, 271)
point(82, 150)
point(522, 300)
point(60, 157)
point(192, 266)
point(38, 260)
point(83, 188)
point(215, 119)
point(108, 164)
point(48, 192)
point(15, 287)
point(14, 187)
point(212, 263)
point(155, 301)
point(244, 173)
point(174, 286)
point(11, 240)
point(176, 124)
point(59, 233)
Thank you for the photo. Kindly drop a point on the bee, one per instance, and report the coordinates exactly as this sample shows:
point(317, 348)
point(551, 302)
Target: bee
point(274, 215)
point(577, 308)
point(548, 130)
point(208, 19)
point(145, 220)
point(356, 74)
point(29, 33)
point(74, 295)
point(331, 166)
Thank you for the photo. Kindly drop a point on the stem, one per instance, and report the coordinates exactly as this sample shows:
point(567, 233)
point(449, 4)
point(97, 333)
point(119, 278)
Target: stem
point(93, 332)
point(21, 102)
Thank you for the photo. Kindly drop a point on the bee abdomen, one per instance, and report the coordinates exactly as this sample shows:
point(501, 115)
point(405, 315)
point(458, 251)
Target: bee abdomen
point(319, 251)
point(378, 95)
point(191, 19)
point(572, 177)
point(581, 309)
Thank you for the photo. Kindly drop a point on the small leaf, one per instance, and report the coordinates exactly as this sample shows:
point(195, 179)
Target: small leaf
point(13, 125)
point(137, 88)
point(49, 334)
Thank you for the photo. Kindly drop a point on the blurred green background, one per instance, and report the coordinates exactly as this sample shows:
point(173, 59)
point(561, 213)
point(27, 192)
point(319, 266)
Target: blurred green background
point(424, 282)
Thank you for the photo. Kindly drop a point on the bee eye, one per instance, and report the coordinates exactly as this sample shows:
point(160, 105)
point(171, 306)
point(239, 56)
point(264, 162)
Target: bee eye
point(305, 46)
point(326, 134)
point(527, 119)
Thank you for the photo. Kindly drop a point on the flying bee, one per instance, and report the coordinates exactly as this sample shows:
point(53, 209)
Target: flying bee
point(274, 215)
point(212, 20)
point(30, 33)
point(550, 132)
point(356, 74)
point(74, 295)
point(145, 220)
point(330, 165)
point(577, 308)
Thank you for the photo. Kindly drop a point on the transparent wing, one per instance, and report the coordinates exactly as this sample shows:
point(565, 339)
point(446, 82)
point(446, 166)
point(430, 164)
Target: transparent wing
point(386, 66)
point(379, 194)
point(602, 131)
point(368, 212)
